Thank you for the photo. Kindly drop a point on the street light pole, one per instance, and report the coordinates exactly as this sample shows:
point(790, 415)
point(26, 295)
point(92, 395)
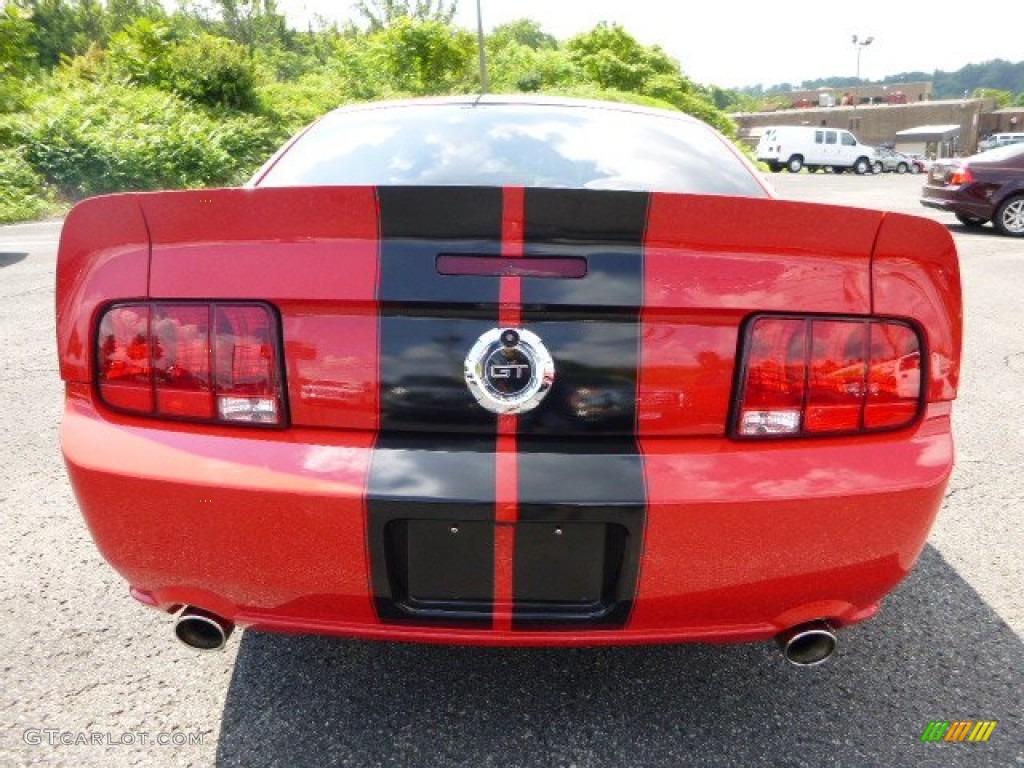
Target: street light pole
point(483, 49)
point(860, 45)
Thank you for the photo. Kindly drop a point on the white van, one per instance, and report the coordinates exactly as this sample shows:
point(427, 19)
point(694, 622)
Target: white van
point(999, 140)
point(800, 146)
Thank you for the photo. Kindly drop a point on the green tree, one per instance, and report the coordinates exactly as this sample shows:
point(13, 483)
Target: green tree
point(138, 53)
point(1003, 99)
point(612, 58)
point(518, 68)
point(383, 13)
point(424, 57)
point(17, 56)
point(54, 26)
point(729, 100)
point(524, 32)
point(254, 23)
point(122, 13)
point(89, 25)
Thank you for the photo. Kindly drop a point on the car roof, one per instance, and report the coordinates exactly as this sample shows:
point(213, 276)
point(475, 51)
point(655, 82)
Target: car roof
point(536, 100)
point(1001, 154)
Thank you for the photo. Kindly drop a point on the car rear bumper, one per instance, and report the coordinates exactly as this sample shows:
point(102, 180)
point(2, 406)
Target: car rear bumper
point(736, 541)
point(945, 201)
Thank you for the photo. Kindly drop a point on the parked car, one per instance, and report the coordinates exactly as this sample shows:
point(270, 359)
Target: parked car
point(921, 163)
point(795, 147)
point(997, 140)
point(508, 371)
point(889, 160)
point(982, 188)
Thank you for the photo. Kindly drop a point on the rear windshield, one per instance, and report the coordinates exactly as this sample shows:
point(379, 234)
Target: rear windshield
point(514, 145)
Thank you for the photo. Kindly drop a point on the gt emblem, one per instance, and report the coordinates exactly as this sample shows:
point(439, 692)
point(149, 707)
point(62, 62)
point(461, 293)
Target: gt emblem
point(514, 371)
point(509, 370)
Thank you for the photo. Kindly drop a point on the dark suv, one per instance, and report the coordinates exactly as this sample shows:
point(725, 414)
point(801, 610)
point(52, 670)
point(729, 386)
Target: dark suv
point(981, 188)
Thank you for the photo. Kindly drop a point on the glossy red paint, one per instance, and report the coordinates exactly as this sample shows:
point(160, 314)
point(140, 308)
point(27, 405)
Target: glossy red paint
point(704, 273)
point(269, 528)
point(741, 541)
point(506, 481)
point(915, 274)
point(104, 255)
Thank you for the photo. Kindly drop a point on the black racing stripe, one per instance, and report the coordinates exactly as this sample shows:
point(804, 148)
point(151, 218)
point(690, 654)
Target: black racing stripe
point(594, 391)
point(582, 512)
point(429, 321)
point(422, 385)
point(431, 490)
point(431, 529)
point(417, 224)
point(575, 216)
point(589, 325)
point(582, 491)
point(604, 227)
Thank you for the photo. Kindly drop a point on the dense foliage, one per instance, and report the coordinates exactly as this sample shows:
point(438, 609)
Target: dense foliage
point(106, 96)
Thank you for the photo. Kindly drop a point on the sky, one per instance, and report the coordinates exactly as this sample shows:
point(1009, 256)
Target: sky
point(746, 42)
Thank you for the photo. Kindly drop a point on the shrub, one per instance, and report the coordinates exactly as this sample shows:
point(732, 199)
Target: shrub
point(515, 67)
point(213, 71)
point(23, 194)
point(91, 138)
point(290, 106)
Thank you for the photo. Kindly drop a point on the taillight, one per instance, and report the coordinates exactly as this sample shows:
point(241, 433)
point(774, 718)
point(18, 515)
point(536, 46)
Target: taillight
point(961, 175)
point(215, 362)
point(827, 375)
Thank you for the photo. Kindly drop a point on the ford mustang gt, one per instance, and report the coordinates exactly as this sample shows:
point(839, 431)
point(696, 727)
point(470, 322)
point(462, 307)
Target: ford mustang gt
point(507, 371)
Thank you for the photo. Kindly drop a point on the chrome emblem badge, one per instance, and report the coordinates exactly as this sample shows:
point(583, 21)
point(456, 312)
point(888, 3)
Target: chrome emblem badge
point(509, 370)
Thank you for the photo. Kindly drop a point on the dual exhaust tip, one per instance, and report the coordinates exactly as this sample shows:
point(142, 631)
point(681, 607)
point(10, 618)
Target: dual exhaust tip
point(202, 630)
point(805, 645)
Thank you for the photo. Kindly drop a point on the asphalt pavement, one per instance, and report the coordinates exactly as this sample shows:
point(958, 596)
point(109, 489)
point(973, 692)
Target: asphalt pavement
point(90, 678)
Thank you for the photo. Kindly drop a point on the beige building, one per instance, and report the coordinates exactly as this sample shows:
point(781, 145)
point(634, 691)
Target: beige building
point(879, 123)
point(1009, 120)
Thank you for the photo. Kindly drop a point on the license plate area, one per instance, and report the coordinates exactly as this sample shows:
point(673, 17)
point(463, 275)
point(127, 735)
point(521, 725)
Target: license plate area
point(449, 562)
point(566, 570)
point(564, 573)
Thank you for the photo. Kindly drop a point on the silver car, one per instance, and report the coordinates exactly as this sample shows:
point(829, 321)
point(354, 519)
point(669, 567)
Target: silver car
point(887, 160)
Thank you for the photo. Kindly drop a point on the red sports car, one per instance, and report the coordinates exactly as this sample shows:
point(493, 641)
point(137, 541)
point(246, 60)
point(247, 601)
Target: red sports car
point(508, 371)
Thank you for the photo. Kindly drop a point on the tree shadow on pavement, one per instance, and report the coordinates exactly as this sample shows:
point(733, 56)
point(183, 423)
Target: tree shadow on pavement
point(936, 652)
point(6, 259)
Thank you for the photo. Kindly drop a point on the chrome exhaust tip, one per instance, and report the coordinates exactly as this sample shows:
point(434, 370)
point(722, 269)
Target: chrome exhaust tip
point(807, 645)
point(202, 630)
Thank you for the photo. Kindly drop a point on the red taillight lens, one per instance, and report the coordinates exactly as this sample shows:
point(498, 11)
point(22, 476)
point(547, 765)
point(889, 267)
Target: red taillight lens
point(776, 377)
point(125, 358)
point(836, 376)
point(206, 362)
point(806, 376)
point(894, 379)
point(181, 360)
point(961, 175)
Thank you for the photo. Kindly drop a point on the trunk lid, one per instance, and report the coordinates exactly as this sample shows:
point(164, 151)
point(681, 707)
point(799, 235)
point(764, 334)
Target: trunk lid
point(383, 292)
